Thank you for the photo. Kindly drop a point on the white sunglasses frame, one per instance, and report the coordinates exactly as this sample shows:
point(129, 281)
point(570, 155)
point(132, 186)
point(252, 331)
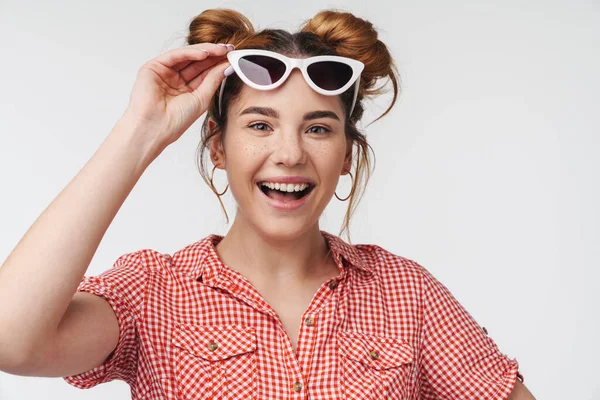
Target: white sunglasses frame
point(302, 64)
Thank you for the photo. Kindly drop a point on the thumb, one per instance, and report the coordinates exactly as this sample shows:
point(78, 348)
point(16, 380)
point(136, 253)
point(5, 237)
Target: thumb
point(211, 82)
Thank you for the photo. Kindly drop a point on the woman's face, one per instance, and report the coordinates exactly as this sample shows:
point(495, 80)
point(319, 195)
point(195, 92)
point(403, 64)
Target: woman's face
point(291, 131)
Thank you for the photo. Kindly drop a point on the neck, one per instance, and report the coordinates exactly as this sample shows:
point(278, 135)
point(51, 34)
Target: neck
point(274, 260)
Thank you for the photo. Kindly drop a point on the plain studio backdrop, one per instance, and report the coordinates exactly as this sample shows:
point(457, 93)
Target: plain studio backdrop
point(486, 169)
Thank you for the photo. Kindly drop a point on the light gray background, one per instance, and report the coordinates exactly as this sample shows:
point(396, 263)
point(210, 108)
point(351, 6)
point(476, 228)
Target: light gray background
point(487, 171)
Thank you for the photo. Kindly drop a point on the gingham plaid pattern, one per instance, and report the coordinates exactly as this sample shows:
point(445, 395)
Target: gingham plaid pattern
point(384, 328)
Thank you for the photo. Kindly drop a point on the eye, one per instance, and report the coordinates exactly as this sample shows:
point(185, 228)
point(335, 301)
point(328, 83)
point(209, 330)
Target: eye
point(258, 124)
point(325, 130)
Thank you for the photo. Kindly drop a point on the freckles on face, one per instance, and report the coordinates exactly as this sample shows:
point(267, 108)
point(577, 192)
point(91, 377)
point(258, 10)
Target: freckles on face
point(285, 134)
point(258, 144)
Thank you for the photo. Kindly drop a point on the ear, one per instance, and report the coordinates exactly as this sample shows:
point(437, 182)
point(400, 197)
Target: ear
point(348, 157)
point(217, 153)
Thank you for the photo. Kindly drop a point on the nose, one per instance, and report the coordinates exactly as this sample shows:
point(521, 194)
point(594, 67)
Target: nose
point(289, 148)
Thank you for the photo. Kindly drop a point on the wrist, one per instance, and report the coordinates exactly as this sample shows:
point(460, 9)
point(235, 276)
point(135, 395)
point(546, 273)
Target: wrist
point(139, 137)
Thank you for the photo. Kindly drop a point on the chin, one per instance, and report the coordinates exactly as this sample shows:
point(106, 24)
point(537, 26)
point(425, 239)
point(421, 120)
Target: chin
point(283, 229)
point(273, 222)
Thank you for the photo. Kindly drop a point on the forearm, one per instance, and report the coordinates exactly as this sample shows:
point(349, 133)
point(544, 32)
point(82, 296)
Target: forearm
point(41, 274)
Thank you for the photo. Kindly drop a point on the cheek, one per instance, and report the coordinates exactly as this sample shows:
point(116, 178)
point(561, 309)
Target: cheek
point(244, 160)
point(328, 159)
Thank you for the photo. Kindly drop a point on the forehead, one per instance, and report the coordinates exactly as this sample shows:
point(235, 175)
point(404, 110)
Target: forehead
point(293, 98)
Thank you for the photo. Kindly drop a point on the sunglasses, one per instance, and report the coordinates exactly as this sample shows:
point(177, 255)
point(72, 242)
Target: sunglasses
point(267, 70)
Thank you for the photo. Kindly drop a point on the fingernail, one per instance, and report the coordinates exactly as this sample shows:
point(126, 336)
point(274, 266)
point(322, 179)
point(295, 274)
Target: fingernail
point(228, 45)
point(228, 71)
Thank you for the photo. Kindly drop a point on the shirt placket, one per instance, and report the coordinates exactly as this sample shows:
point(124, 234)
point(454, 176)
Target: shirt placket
point(316, 323)
point(315, 320)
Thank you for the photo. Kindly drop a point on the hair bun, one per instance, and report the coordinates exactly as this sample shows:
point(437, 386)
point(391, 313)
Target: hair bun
point(357, 38)
point(342, 31)
point(220, 25)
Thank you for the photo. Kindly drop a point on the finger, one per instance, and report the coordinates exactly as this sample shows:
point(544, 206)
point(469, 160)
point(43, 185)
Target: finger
point(205, 85)
point(203, 46)
point(181, 65)
point(197, 81)
point(196, 67)
point(192, 52)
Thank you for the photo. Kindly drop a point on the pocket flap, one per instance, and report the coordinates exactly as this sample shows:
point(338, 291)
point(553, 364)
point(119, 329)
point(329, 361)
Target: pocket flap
point(215, 342)
point(378, 352)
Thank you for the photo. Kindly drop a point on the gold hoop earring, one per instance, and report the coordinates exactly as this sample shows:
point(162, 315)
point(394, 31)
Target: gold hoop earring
point(213, 185)
point(351, 191)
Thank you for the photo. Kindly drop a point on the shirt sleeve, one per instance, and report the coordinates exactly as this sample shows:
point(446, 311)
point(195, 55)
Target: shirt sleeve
point(124, 287)
point(458, 359)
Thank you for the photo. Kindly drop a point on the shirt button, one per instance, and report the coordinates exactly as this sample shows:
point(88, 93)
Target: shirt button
point(212, 346)
point(374, 355)
point(309, 321)
point(485, 330)
point(333, 284)
point(297, 386)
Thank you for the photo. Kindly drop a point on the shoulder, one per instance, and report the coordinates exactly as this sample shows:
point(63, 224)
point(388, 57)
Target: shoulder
point(187, 259)
point(158, 261)
point(135, 268)
point(144, 260)
point(388, 264)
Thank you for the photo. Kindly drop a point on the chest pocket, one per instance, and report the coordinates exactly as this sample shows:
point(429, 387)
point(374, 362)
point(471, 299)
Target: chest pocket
point(215, 361)
point(374, 367)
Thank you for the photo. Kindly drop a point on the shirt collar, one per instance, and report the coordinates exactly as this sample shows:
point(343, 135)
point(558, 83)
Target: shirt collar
point(202, 259)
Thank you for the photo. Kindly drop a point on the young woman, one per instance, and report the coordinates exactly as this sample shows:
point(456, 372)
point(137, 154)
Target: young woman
point(277, 308)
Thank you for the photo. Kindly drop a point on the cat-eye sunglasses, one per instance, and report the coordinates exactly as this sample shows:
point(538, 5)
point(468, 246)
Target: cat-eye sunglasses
point(267, 70)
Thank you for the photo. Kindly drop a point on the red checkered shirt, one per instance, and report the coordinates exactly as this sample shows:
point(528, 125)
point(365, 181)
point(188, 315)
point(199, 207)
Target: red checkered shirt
point(384, 328)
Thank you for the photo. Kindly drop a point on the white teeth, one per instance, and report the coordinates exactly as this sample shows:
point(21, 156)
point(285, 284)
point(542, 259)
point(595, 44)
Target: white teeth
point(290, 187)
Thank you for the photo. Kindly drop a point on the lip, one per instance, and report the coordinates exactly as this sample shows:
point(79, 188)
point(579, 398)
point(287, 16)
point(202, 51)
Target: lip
point(285, 205)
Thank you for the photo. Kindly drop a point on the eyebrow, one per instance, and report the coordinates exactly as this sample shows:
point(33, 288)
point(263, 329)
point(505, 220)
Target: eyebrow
point(271, 112)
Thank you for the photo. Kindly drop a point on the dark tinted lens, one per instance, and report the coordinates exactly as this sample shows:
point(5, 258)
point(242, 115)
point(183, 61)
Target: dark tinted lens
point(262, 70)
point(329, 75)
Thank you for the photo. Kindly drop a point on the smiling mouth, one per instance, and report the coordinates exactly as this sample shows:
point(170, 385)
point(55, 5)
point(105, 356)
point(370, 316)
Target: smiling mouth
point(283, 195)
